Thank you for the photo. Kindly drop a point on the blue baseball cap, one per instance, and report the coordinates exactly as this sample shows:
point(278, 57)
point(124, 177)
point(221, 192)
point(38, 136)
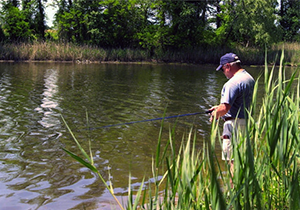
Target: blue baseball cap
point(228, 58)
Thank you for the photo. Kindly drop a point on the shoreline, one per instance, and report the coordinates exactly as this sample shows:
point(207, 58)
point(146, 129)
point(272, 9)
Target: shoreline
point(100, 62)
point(129, 62)
point(53, 52)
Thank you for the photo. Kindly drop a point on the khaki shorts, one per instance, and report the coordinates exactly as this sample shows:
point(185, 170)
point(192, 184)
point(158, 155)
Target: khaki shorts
point(228, 128)
point(226, 149)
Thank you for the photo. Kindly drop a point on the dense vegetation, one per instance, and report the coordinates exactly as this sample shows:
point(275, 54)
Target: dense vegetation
point(154, 24)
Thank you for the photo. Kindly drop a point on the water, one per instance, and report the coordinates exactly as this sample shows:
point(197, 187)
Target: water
point(34, 171)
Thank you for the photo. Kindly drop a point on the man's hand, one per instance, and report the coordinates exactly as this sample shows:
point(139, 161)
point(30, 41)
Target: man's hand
point(212, 113)
point(219, 111)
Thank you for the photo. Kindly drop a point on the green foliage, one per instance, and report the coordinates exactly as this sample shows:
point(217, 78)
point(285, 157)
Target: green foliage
point(14, 24)
point(249, 22)
point(2, 35)
point(158, 26)
point(25, 22)
point(289, 19)
point(133, 23)
point(51, 35)
point(38, 18)
point(169, 24)
point(107, 23)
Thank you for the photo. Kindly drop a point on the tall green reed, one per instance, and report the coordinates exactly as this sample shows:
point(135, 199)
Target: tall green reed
point(88, 162)
point(266, 159)
point(266, 174)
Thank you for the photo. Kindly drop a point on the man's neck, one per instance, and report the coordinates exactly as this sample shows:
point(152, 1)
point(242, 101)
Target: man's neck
point(239, 70)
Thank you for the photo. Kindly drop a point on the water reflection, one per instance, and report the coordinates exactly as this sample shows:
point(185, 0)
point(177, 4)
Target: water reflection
point(50, 100)
point(5, 119)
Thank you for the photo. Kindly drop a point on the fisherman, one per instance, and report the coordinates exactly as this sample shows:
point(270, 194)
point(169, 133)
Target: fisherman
point(236, 97)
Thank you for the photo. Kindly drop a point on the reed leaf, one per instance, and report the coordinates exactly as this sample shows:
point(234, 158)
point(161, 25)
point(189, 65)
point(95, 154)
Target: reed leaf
point(80, 160)
point(74, 138)
point(217, 200)
point(134, 203)
point(87, 164)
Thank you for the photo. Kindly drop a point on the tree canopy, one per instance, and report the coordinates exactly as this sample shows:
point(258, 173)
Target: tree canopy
point(152, 24)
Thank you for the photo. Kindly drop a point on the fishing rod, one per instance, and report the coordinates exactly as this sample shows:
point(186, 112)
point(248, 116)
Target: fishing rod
point(148, 120)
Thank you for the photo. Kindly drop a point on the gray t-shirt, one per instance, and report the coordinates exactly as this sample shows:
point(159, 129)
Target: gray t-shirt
point(237, 92)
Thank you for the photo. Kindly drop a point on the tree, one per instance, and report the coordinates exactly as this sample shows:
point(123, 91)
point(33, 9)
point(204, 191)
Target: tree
point(63, 19)
point(248, 22)
point(14, 22)
point(24, 22)
point(156, 24)
point(39, 18)
point(175, 24)
point(34, 12)
point(2, 35)
point(188, 21)
point(290, 19)
point(109, 23)
point(121, 22)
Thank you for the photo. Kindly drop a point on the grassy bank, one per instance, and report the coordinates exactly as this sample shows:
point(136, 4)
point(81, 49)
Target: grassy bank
point(54, 51)
point(266, 166)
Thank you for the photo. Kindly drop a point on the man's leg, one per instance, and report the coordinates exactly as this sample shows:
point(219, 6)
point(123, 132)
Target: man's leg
point(227, 146)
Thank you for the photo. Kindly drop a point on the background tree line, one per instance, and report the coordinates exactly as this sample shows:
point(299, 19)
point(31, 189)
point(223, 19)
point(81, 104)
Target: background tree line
point(152, 24)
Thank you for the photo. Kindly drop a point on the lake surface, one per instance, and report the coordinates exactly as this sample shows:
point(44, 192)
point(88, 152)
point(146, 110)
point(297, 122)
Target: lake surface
point(35, 173)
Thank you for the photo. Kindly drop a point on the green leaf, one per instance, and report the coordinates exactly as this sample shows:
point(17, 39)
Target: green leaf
point(80, 160)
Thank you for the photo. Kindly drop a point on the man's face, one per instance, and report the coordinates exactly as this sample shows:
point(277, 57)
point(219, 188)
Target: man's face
point(226, 70)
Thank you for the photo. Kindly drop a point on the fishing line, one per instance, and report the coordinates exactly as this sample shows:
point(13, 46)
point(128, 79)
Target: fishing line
point(148, 120)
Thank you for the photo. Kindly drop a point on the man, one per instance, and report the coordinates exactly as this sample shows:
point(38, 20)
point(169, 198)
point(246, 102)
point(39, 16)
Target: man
point(236, 97)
